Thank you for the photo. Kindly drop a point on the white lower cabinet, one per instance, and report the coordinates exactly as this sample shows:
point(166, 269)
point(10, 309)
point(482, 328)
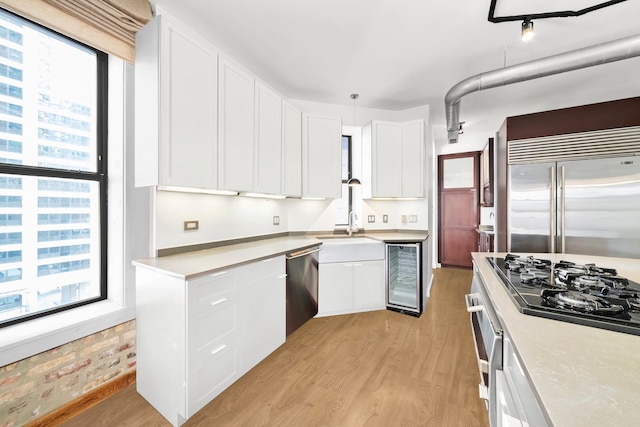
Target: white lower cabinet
point(263, 299)
point(350, 287)
point(196, 337)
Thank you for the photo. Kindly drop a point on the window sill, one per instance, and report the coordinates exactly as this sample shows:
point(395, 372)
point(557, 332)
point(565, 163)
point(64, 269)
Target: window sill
point(27, 339)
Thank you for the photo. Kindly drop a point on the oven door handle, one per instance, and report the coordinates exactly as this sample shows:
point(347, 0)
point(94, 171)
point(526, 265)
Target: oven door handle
point(470, 302)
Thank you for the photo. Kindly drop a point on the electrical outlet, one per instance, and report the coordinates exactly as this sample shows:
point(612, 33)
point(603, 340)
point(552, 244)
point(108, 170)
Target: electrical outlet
point(413, 218)
point(371, 218)
point(191, 225)
point(403, 218)
point(276, 220)
point(385, 218)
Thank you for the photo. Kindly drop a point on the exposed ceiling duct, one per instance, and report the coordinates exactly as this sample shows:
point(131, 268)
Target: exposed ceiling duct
point(574, 60)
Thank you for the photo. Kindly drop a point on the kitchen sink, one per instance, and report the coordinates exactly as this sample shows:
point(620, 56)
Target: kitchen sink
point(347, 249)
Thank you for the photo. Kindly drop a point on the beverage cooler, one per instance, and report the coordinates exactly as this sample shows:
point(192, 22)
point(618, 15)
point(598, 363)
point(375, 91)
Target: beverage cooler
point(404, 281)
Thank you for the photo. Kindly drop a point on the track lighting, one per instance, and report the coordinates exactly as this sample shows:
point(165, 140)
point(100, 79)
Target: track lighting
point(527, 30)
point(460, 130)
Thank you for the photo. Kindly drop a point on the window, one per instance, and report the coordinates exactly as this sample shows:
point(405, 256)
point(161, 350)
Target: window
point(53, 181)
point(344, 205)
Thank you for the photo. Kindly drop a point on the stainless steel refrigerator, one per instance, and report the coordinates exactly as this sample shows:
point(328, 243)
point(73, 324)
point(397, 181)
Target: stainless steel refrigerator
point(582, 207)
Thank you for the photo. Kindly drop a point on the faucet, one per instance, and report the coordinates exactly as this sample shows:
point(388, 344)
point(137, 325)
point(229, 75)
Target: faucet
point(353, 217)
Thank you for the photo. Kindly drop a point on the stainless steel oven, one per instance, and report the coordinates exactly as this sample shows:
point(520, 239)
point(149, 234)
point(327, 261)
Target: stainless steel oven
point(487, 335)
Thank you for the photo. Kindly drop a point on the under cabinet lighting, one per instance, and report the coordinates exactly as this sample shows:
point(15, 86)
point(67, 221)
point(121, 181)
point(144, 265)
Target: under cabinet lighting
point(263, 196)
point(197, 190)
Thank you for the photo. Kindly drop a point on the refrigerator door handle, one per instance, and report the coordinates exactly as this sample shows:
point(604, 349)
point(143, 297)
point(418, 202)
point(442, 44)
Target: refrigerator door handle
point(552, 211)
point(562, 209)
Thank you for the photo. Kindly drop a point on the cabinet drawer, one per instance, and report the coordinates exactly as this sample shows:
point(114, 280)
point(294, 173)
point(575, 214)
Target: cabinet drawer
point(265, 268)
point(218, 321)
point(212, 369)
point(211, 293)
point(530, 411)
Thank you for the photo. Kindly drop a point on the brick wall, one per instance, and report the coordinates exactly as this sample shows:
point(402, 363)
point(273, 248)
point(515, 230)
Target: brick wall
point(33, 387)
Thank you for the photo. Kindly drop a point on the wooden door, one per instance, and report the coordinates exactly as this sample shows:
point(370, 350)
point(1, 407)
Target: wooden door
point(459, 210)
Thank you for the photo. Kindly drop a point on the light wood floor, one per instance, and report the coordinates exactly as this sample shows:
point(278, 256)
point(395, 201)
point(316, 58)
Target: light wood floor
point(371, 369)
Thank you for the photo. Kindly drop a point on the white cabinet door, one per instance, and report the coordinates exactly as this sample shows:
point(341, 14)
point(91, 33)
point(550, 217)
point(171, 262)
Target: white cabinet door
point(236, 127)
point(386, 155)
point(413, 159)
point(395, 156)
point(335, 288)
point(176, 107)
point(263, 311)
point(268, 144)
point(321, 156)
point(291, 150)
point(368, 285)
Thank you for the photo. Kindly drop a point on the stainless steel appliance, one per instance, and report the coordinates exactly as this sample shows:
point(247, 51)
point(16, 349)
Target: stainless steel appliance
point(487, 336)
point(503, 385)
point(302, 287)
point(588, 294)
point(580, 205)
point(404, 278)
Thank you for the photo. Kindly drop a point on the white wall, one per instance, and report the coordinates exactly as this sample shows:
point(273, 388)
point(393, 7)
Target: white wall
point(220, 218)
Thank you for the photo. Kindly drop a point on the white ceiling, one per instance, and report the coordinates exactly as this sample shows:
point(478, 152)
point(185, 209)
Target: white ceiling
point(399, 54)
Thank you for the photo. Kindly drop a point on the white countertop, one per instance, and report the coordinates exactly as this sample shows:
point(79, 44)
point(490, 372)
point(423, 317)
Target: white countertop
point(189, 265)
point(197, 263)
point(583, 376)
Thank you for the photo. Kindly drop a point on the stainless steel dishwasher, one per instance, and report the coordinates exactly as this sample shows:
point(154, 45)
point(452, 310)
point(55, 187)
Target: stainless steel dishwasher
point(302, 287)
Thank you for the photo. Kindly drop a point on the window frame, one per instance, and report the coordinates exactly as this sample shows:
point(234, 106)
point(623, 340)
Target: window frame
point(100, 175)
point(129, 234)
point(349, 176)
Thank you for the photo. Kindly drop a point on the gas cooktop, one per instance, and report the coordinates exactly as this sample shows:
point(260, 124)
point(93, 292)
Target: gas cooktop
point(582, 294)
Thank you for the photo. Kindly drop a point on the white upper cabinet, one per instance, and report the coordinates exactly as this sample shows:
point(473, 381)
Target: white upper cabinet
point(176, 107)
point(413, 159)
point(394, 159)
point(268, 141)
point(236, 127)
point(291, 150)
point(321, 156)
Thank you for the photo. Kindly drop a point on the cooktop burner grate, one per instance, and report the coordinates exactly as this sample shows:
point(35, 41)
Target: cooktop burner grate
point(583, 294)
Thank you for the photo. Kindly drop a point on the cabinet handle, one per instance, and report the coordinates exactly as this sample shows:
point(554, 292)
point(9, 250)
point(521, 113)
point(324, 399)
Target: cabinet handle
point(220, 301)
point(218, 350)
point(222, 273)
point(469, 301)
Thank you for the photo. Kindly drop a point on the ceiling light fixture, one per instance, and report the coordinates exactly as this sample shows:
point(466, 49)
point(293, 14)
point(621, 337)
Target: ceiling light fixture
point(354, 96)
point(527, 30)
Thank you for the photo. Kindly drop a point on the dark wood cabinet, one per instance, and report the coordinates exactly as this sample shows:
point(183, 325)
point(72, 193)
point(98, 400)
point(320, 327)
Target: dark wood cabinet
point(486, 175)
point(486, 242)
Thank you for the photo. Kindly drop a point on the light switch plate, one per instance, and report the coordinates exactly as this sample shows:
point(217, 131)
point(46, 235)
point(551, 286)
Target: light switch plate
point(371, 218)
point(385, 218)
point(276, 220)
point(413, 218)
point(191, 225)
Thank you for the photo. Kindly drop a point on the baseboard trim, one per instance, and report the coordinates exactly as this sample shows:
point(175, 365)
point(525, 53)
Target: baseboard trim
point(81, 404)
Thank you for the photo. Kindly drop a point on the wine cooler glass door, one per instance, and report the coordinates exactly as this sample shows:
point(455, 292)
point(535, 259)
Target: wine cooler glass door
point(403, 277)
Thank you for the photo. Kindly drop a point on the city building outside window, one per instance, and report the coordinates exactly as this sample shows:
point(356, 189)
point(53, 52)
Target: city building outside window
point(53, 180)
